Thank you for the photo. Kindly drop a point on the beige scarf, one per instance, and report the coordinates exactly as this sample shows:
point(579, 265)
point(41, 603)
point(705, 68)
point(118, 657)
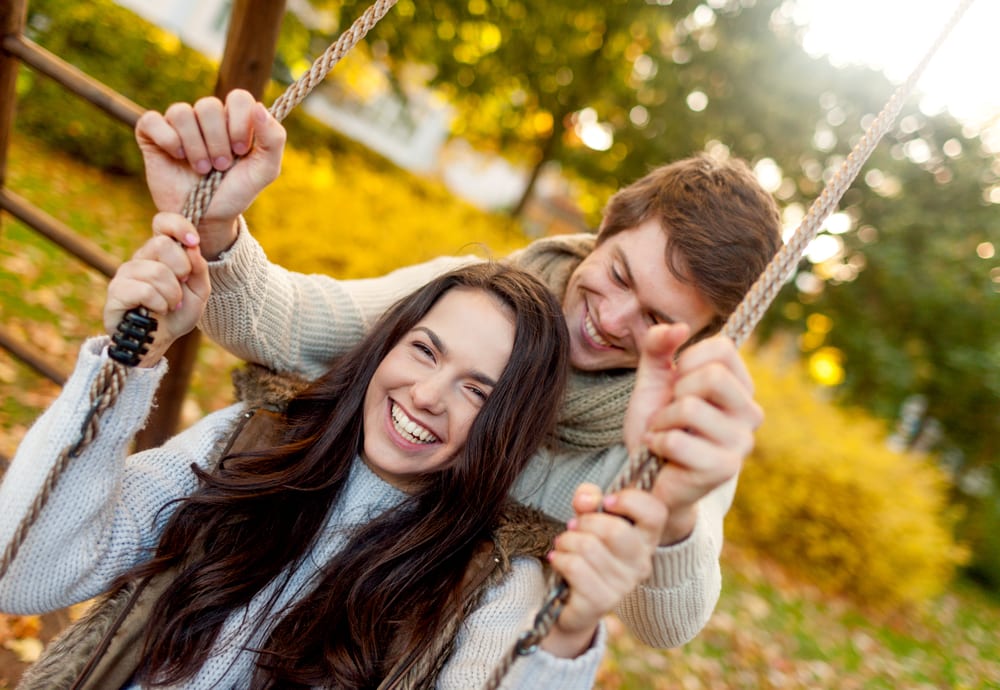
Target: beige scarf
point(594, 408)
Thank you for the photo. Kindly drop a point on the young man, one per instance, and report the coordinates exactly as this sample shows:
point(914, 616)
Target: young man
point(676, 252)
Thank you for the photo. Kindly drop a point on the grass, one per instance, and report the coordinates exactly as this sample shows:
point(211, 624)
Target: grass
point(768, 631)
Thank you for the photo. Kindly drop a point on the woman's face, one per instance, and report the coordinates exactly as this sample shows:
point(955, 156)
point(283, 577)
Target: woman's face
point(425, 394)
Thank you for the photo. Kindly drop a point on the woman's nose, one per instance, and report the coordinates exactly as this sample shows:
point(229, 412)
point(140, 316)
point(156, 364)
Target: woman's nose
point(428, 394)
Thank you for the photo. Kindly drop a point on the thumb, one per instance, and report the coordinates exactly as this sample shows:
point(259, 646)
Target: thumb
point(269, 138)
point(198, 281)
point(654, 378)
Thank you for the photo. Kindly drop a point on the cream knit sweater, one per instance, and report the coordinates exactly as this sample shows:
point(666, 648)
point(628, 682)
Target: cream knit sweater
point(298, 323)
point(104, 516)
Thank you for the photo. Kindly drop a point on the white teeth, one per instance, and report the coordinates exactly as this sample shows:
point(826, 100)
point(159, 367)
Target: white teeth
point(409, 429)
point(592, 332)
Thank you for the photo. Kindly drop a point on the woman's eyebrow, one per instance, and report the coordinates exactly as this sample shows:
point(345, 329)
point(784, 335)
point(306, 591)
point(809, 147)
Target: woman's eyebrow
point(439, 345)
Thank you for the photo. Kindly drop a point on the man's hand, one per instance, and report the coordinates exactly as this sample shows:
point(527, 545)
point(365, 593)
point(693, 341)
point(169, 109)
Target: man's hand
point(697, 413)
point(187, 142)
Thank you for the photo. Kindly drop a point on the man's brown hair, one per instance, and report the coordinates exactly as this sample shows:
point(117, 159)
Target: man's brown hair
point(722, 227)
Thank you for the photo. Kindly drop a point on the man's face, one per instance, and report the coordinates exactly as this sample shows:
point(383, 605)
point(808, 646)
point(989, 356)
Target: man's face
point(622, 288)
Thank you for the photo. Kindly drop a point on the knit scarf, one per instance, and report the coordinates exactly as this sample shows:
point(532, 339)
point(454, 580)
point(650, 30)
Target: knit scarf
point(593, 410)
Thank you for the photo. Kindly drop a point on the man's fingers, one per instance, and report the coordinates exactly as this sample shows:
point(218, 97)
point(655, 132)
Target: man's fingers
point(239, 108)
point(211, 116)
point(268, 145)
point(720, 350)
point(153, 129)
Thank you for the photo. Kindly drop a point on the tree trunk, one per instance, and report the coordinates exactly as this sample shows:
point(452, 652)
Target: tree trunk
point(545, 155)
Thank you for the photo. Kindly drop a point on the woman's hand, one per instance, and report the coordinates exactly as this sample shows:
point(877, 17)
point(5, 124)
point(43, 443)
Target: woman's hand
point(169, 277)
point(603, 556)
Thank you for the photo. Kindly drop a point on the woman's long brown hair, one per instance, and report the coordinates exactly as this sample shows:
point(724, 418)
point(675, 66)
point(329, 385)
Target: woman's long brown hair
point(259, 513)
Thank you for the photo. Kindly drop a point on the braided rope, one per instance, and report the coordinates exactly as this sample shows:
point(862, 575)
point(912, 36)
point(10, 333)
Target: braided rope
point(201, 196)
point(641, 468)
point(111, 377)
point(103, 392)
point(749, 312)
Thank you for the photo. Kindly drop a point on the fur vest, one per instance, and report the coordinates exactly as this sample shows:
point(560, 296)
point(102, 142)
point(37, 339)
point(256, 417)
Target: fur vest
point(101, 650)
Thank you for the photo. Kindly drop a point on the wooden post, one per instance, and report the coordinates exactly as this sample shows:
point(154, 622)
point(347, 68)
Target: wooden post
point(251, 43)
point(12, 16)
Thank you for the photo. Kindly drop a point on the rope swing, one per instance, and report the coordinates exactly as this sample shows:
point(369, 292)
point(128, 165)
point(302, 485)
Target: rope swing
point(640, 470)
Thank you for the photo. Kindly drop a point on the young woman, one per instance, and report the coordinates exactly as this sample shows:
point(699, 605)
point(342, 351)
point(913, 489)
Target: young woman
point(361, 546)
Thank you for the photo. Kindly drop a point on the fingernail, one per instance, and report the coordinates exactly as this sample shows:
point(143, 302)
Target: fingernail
point(610, 501)
point(203, 166)
point(222, 163)
point(191, 239)
point(550, 555)
point(572, 524)
point(180, 153)
point(179, 305)
point(239, 148)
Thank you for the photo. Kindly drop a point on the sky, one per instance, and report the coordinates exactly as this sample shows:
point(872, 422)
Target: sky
point(893, 35)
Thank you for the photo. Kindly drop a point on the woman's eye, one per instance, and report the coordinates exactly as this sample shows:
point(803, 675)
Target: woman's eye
point(617, 277)
point(479, 393)
point(423, 349)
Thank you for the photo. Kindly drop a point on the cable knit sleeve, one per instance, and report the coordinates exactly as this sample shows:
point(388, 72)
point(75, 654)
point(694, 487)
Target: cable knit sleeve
point(675, 603)
point(103, 516)
point(491, 630)
point(296, 322)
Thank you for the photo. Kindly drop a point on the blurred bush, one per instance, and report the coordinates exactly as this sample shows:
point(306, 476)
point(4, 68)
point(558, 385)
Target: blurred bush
point(144, 63)
point(823, 495)
point(341, 215)
point(981, 528)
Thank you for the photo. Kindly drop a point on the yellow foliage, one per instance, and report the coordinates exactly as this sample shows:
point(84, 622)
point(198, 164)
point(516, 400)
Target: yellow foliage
point(340, 216)
point(824, 495)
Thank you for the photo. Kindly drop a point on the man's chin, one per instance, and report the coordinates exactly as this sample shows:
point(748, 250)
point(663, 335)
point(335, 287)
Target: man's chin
point(587, 361)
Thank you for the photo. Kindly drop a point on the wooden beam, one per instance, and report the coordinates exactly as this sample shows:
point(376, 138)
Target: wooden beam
point(29, 355)
point(12, 16)
point(87, 251)
point(251, 43)
point(72, 79)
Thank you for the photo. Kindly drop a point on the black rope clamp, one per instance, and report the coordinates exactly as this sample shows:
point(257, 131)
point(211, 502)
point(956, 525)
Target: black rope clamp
point(134, 334)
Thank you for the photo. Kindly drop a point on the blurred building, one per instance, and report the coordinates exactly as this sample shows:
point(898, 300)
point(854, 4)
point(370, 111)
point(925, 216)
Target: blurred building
point(412, 131)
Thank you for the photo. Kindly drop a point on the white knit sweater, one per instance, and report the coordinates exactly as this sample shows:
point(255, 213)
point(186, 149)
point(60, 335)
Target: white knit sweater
point(300, 323)
point(105, 516)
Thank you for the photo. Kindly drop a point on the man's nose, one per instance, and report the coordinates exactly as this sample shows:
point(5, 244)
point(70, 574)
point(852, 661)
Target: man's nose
point(622, 320)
